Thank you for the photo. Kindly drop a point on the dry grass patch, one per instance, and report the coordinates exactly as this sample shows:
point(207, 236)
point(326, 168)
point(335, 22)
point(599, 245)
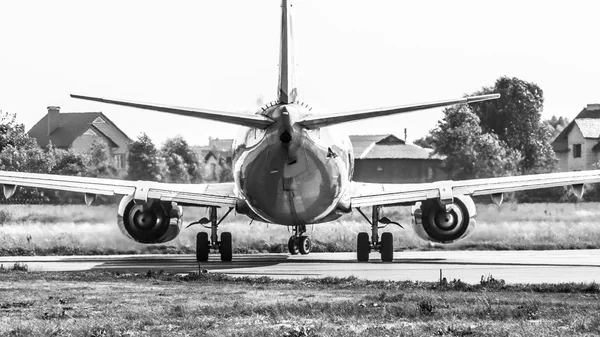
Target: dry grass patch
point(159, 304)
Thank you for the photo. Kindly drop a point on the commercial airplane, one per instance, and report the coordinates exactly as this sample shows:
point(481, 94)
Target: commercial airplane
point(290, 169)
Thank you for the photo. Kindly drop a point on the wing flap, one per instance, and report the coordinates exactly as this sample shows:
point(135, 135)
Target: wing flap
point(222, 194)
point(371, 194)
point(68, 183)
point(248, 120)
point(319, 121)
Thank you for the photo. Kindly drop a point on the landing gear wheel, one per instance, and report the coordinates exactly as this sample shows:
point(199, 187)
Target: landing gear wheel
point(202, 247)
point(226, 247)
point(363, 247)
point(293, 246)
point(387, 247)
point(304, 245)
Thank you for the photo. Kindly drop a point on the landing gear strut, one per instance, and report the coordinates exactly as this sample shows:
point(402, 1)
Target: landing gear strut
point(204, 245)
point(298, 243)
point(385, 246)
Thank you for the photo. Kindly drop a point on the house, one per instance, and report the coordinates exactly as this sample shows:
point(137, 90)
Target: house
point(218, 152)
point(77, 130)
point(577, 147)
point(389, 159)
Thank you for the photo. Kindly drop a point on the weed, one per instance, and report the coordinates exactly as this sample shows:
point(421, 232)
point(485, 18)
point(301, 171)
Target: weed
point(491, 282)
point(528, 311)
point(178, 311)
point(426, 307)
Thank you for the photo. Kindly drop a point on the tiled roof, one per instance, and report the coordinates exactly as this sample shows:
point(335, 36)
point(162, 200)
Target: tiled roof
point(220, 144)
point(399, 151)
point(361, 142)
point(72, 125)
point(590, 127)
point(387, 147)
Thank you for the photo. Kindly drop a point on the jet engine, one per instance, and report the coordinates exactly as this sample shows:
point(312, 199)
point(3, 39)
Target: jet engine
point(151, 222)
point(444, 223)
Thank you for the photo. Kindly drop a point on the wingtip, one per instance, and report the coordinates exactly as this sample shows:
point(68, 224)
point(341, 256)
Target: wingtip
point(481, 98)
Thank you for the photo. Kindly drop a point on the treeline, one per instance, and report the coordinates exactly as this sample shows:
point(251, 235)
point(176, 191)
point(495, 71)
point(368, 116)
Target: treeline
point(502, 137)
point(174, 162)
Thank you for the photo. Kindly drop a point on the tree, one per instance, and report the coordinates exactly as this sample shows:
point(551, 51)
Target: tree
point(143, 160)
point(226, 174)
point(468, 151)
point(68, 162)
point(516, 119)
point(556, 126)
point(13, 133)
point(181, 162)
point(101, 164)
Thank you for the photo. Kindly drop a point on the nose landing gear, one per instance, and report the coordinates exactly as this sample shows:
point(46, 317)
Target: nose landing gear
point(298, 243)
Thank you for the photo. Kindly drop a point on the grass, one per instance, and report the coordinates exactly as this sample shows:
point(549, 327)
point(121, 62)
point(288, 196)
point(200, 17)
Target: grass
point(161, 304)
point(78, 229)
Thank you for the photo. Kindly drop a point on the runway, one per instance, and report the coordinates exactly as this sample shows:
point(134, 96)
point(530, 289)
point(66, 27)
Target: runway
point(468, 266)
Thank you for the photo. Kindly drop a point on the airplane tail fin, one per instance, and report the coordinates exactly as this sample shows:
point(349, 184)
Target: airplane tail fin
point(287, 90)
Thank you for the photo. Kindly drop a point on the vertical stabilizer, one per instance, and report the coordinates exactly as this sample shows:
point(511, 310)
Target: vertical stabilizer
point(286, 91)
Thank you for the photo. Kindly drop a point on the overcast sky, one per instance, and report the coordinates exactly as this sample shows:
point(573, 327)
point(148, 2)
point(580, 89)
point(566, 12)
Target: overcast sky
point(351, 55)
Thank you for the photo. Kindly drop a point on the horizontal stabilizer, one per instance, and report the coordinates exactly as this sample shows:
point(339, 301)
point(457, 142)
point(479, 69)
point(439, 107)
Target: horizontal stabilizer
point(319, 121)
point(249, 120)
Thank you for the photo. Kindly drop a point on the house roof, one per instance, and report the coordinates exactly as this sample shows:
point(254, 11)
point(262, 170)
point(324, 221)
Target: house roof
point(220, 144)
point(360, 143)
point(590, 127)
point(387, 147)
point(72, 125)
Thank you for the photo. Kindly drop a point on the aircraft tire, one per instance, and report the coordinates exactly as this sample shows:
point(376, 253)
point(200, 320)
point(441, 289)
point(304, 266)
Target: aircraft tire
point(202, 247)
point(293, 246)
point(226, 248)
point(363, 247)
point(387, 247)
point(304, 245)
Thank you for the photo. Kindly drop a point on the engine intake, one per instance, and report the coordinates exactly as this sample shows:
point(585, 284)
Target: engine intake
point(444, 224)
point(151, 222)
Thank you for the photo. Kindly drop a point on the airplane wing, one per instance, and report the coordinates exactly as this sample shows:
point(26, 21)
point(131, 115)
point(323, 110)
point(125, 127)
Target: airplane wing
point(249, 120)
point(222, 194)
point(372, 194)
point(319, 121)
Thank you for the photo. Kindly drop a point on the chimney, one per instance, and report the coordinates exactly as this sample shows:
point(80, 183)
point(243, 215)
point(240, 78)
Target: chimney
point(595, 106)
point(53, 118)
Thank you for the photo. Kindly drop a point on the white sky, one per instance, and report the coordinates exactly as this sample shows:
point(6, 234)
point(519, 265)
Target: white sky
point(351, 55)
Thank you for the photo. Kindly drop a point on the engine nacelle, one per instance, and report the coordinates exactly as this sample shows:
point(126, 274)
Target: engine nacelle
point(444, 224)
point(152, 222)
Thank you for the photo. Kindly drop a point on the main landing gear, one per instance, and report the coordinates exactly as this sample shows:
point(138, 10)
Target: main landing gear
point(385, 246)
point(204, 245)
point(298, 243)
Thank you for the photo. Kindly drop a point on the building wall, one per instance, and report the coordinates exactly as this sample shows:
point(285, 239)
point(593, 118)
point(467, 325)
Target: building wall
point(591, 157)
point(83, 142)
point(563, 161)
point(576, 137)
point(398, 170)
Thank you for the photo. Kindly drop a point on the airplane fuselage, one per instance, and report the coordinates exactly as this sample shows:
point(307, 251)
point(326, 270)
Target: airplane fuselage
point(288, 175)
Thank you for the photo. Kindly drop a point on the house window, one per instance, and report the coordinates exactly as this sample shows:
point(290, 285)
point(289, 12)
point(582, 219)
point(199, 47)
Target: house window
point(119, 161)
point(89, 132)
point(576, 150)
